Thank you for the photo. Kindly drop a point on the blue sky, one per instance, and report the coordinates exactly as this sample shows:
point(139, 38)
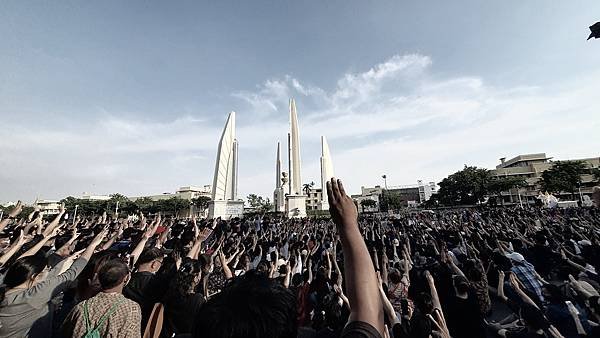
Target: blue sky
point(130, 97)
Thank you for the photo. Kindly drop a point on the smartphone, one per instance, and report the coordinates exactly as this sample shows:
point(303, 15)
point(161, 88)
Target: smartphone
point(404, 307)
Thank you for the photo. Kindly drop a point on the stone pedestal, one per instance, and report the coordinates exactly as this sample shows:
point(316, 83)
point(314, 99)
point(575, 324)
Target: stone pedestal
point(295, 206)
point(225, 209)
point(279, 199)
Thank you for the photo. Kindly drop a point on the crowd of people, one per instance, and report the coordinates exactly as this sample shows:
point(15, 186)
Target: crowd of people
point(480, 272)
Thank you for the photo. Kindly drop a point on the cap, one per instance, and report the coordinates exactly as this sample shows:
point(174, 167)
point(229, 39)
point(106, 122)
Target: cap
point(515, 256)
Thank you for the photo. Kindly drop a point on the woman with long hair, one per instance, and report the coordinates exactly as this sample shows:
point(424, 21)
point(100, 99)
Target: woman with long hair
point(181, 302)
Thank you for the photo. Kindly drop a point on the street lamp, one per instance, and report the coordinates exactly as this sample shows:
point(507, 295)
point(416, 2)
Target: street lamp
point(384, 180)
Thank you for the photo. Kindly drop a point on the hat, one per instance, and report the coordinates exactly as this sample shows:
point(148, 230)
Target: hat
point(515, 256)
point(395, 242)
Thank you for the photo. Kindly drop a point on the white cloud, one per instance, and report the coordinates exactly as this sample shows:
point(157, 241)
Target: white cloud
point(397, 118)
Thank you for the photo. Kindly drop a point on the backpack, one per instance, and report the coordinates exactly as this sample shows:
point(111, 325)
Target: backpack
point(94, 332)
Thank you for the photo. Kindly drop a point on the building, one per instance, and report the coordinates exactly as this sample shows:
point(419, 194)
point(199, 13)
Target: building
point(409, 195)
point(530, 167)
point(314, 198)
point(48, 207)
point(186, 193)
point(91, 197)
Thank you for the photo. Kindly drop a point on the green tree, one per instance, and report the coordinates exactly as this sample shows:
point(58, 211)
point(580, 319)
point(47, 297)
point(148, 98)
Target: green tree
point(467, 186)
point(172, 205)
point(367, 203)
point(201, 202)
point(259, 203)
point(563, 176)
point(307, 187)
point(498, 184)
point(146, 205)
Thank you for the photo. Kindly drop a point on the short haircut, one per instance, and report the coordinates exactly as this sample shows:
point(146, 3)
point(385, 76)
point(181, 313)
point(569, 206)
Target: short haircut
point(149, 255)
point(112, 273)
point(251, 306)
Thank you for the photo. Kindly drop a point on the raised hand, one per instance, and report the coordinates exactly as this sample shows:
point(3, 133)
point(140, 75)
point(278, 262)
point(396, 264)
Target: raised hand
point(99, 237)
point(16, 210)
point(341, 206)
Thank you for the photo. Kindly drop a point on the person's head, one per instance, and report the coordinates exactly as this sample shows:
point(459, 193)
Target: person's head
point(186, 279)
point(251, 306)
point(534, 318)
point(461, 284)
point(150, 260)
point(113, 275)
point(424, 303)
point(27, 270)
point(395, 276)
point(553, 294)
point(87, 281)
point(596, 196)
point(206, 263)
point(593, 304)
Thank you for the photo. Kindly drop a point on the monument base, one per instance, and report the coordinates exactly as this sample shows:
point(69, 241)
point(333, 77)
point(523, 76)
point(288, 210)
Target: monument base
point(295, 206)
point(225, 209)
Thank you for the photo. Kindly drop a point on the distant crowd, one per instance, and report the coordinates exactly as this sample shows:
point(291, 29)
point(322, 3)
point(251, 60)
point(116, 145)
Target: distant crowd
point(481, 272)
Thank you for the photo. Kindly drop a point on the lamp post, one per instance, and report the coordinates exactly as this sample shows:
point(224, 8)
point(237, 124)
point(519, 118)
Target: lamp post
point(75, 213)
point(384, 181)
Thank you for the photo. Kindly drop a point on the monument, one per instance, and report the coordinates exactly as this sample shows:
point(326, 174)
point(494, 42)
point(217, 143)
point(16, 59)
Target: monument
point(281, 181)
point(295, 199)
point(225, 203)
point(326, 173)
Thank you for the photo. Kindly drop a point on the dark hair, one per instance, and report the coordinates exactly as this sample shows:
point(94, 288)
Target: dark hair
point(112, 273)
point(461, 284)
point(534, 317)
point(22, 270)
point(424, 303)
point(251, 306)
point(183, 283)
point(149, 255)
point(555, 295)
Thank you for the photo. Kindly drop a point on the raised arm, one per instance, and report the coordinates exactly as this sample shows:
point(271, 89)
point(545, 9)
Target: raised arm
point(55, 222)
point(13, 249)
point(361, 280)
point(11, 215)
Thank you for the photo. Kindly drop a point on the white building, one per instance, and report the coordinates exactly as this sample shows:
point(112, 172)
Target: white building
point(186, 193)
point(48, 207)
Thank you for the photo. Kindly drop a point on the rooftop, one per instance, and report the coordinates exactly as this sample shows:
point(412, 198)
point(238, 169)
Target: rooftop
point(522, 158)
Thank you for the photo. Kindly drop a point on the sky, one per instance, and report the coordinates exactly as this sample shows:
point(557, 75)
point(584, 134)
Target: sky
point(131, 97)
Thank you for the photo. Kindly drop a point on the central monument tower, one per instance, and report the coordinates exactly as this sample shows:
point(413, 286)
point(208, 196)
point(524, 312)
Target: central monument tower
point(295, 205)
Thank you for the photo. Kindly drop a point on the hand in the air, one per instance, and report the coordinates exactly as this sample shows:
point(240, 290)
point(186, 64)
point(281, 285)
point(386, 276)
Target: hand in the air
point(341, 206)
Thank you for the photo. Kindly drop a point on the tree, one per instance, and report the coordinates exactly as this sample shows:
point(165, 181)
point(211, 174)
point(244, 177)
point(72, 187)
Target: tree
point(596, 173)
point(201, 202)
point(259, 203)
point(171, 205)
point(563, 176)
point(307, 187)
point(367, 203)
point(498, 184)
point(146, 205)
point(467, 186)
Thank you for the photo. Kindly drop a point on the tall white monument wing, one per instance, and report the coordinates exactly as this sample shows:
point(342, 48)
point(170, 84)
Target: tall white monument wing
point(278, 167)
point(326, 168)
point(225, 179)
point(294, 152)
